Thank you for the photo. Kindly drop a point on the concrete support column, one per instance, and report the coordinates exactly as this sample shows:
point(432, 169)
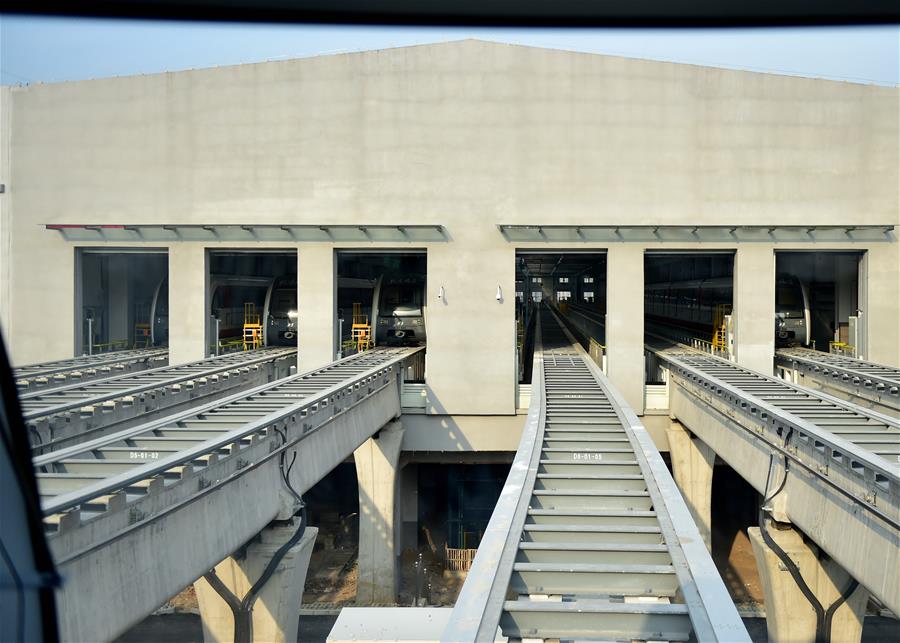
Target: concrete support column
point(881, 274)
point(276, 611)
point(692, 464)
point(118, 297)
point(625, 322)
point(789, 615)
point(316, 293)
point(754, 306)
point(188, 317)
point(376, 472)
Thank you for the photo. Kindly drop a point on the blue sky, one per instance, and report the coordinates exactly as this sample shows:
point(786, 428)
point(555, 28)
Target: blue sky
point(57, 49)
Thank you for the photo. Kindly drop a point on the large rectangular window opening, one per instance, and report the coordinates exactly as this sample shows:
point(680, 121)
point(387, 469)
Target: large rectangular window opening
point(380, 299)
point(689, 296)
point(817, 300)
point(251, 299)
point(572, 282)
point(122, 299)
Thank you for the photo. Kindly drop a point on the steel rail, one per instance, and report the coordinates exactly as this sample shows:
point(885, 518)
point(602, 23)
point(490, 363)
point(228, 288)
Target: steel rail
point(85, 368)
point(299, 396)
point(601, 543)
point(40, 404)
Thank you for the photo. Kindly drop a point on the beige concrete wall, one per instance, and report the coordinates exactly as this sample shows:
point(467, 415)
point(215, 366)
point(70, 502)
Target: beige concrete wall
point(187, 303)
point(754, 307)
point(882, 305)
point(625, 322)
point(461, 433)
point(315, 301)
point(466, 134)
point(470, 362)
point(5, 209)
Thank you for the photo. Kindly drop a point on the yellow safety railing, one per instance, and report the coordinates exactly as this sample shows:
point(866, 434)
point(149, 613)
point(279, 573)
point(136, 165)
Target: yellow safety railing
point(361, 330)
point(252, 337)
point(719, 338)
point(596, 351)
point(842, 348)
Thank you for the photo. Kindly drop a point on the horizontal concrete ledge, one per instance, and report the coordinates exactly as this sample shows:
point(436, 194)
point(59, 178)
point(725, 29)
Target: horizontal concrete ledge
point(712, 233)
point(461, 433)
point(288, 233)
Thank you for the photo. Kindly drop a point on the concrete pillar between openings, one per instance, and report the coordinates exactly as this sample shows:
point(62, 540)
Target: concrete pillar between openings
point(316, 285)
point(754, 306)
point(625, 322)
point(789, 615)
point(188, 316)
point(692, 464)
point(276, 612)
point(376, 473)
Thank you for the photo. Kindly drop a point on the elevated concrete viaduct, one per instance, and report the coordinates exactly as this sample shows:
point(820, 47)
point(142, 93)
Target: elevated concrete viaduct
point(827, 472)
point(211, 494)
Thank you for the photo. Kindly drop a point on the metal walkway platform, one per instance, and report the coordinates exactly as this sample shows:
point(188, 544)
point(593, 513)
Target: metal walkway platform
point(868, 384)
point(70, 414)
point(136, 499)
point(590, 533)
point(843, 488)
point(87, 367)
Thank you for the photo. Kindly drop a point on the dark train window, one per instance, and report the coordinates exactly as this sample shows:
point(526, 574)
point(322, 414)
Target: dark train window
point(787, 296)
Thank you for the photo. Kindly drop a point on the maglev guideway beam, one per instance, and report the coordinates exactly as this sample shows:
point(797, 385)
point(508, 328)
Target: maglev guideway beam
point(590, 538)
point(87, 367)
point(78, 412)
point(838, 461)
point(868, 384)
point(134, 517)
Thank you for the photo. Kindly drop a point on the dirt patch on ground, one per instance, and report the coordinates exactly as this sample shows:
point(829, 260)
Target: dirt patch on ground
point(422, 577)
point(184, 601)
point(737, 565)
point(332, 577)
